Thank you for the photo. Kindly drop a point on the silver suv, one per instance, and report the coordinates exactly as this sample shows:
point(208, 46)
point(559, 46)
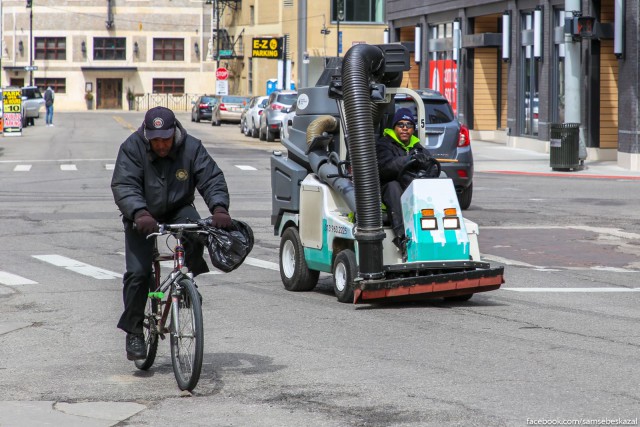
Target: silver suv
point(274, 113)
point(32, 103)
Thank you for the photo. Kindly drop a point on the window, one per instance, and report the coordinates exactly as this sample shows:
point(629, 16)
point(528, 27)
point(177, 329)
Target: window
point(51, 48)
point(175, 86)
point(106, 48)
point(58, 85)
point(358, 10)
point(168, 49)
point(529, 76)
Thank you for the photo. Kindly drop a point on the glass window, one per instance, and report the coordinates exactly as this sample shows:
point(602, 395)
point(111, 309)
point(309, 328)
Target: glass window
point(174, 86)
point(288, 99)
point(108, 48)
point(51, 48)
point(168, 49)
point(358, 10)
point(530, 72)
point(58, 85)
point(557, 95)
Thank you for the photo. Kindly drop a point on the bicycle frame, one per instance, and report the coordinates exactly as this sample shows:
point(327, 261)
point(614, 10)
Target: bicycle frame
point(179, 271)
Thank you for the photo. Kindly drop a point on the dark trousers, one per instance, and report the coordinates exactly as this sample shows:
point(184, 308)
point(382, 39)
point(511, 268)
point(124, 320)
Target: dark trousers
point(391, 193)
point(139, 259)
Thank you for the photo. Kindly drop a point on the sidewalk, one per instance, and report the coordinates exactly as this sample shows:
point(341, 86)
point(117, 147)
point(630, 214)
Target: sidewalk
point(494, 157)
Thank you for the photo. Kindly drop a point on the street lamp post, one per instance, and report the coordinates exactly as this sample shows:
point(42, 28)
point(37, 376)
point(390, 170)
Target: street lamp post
point(31, 46)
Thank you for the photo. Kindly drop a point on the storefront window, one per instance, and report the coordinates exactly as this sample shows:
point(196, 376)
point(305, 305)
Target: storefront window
point(443, 70)
point(530, 71)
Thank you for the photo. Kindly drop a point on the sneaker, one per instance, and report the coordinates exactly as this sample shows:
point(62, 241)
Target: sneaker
point(136, 347)
point(401, 244)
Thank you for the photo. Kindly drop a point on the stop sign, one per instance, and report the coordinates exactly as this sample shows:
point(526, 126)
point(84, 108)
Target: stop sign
point(222, 74)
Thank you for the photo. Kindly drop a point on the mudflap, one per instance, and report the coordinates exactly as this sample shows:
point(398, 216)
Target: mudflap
point(429, 286)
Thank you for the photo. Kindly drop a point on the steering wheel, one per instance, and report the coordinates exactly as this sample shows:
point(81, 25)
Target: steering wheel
point(412, 169)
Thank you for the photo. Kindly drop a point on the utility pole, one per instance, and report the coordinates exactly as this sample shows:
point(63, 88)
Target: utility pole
point(340, 17)
point(30, 6)
point(217, 34)
point(303, 68)
point(572, 95)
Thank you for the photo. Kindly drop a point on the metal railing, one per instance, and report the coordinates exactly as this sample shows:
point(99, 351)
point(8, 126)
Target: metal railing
point(172, 101)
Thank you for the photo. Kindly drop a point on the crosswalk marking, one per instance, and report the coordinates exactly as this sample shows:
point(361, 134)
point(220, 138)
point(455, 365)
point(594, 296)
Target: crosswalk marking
point(68, 168)
point(245, 167)
point(262, 264)
point(14, 280)
point(22, 168)
point(78, 267)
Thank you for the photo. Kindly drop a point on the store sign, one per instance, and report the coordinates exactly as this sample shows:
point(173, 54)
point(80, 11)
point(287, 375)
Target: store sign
point(443, 77)
point(12, 112)
point(267, 47)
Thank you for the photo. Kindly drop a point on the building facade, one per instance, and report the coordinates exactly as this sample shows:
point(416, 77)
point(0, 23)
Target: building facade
point(505, 64)
point(167, 52)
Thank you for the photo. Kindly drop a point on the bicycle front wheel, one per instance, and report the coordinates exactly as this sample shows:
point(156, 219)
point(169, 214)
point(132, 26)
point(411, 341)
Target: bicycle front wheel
point(187, 337)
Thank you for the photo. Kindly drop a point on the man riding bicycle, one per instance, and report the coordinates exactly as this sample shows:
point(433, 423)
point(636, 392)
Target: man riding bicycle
point(157, 171)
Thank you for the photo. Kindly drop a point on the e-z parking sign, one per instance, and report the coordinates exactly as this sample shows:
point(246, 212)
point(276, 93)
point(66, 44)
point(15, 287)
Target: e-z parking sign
point(267, 47)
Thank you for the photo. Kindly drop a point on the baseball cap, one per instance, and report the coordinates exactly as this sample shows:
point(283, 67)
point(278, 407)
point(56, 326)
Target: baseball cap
point(403, 114)
point(159, 122)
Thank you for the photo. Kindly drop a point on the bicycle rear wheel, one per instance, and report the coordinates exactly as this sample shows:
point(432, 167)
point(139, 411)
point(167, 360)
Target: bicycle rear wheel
point(187, 340)
point(150, 331)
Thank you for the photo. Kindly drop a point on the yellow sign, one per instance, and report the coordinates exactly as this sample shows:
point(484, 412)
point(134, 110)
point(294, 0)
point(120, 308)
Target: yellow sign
point(267, 47)
point(12, 106)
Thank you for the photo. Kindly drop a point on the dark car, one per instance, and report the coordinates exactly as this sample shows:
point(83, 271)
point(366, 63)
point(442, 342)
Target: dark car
point(274, 113)
point(201, 109)
point(446, 139)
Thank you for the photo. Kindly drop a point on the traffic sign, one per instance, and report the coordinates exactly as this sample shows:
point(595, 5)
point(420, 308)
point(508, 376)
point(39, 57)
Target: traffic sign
point(31, 68)
point(222, 74)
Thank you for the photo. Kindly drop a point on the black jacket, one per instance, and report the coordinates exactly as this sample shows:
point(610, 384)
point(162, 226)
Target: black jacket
point(393, 156)
point(142, 180)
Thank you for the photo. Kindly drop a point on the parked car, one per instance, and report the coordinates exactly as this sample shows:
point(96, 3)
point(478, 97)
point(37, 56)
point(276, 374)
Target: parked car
point(201, 109)
point(274, 113)
point(252, 115)
point(287, 121)
point(446, 139)
point(32, 103)
point(228, 109)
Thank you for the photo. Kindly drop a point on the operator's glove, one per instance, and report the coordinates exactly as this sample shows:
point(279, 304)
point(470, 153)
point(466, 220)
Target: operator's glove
point(422, 158)
point(145, 223)
point(220, 218)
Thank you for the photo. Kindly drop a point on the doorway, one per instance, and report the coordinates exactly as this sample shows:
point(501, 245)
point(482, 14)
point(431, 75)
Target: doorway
point(109, 94)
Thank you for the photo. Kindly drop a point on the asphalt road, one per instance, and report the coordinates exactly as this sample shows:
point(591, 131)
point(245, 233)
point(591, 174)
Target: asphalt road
point(558, 342)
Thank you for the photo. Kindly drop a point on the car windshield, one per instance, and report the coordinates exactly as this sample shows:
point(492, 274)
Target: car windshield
point(234, 99)
point(287, 98)
point(208, 100)
point(437, 111)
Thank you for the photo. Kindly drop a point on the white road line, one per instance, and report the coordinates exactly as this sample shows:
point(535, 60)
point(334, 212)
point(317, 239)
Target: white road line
point(110, 166)
point(562, 290)
point(246, 168)
point(262, 264)
point(515, 263)
point(22, 168)
point(68, 168)
point(14, 280)
point(78, 267)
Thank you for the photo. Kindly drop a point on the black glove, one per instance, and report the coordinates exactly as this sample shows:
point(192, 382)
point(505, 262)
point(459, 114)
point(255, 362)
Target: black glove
point(145, 223)
point(221, 218)
point(422, 158)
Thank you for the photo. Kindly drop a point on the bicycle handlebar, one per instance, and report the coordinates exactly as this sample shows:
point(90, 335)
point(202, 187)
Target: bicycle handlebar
point(164, 229)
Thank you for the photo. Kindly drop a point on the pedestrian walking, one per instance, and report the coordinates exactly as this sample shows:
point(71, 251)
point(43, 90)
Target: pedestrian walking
point(48, 102)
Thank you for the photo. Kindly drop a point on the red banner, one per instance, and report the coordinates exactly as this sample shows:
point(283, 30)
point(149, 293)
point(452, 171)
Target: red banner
point(443, 77)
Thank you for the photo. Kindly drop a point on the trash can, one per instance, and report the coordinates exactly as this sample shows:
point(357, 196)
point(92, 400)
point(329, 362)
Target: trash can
point(565, 146)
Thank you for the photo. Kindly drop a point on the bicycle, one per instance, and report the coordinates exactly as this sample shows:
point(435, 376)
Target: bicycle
point(177, 301)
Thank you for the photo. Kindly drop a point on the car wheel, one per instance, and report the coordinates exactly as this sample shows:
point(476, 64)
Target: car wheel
point(197, 117)
point(270, 136)
point(261, 135)
point(464, 197)
point(294, 272)
point(254, 132)
point(345, 270)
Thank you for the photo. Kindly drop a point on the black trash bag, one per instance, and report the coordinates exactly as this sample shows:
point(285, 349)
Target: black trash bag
point(229, 248)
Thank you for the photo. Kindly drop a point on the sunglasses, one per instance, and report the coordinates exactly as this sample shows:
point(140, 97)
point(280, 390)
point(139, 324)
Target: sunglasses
point(404, 125)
